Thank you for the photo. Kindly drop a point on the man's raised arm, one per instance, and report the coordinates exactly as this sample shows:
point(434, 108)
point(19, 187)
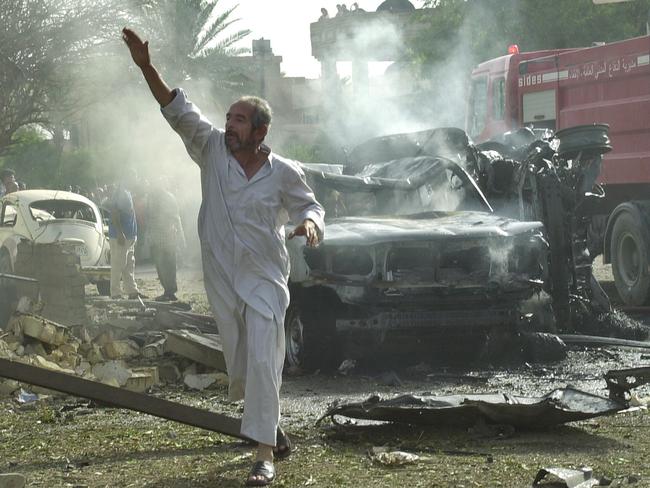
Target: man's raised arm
point(140, 54)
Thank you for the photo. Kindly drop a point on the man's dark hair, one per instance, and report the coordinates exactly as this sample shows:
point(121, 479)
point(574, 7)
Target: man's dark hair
point(261, 110)
point(5, 173)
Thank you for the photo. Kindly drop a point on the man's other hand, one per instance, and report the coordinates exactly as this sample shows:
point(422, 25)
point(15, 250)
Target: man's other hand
point(307, 229)
point(139, 50)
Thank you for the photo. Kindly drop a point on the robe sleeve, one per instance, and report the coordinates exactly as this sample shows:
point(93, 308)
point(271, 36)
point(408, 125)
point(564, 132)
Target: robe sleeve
point(186, 119)
point(299, 200)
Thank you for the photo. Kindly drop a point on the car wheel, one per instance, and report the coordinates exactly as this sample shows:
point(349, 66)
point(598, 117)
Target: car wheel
point(629, 256)
point(104, 288)
point(310, 338)
point(7, 289)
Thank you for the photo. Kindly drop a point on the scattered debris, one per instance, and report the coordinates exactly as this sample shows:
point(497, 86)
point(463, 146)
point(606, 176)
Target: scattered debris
point(570, 478)
point(385, 456)
point(621, 381)
point(347, 366)
point(557, 407)
point(205, 380)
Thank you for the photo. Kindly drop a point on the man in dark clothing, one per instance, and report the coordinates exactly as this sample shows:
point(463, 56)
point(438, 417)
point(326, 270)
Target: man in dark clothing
point(165, 234)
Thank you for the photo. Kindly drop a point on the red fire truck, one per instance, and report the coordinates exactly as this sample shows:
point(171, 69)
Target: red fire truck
point(556, 89)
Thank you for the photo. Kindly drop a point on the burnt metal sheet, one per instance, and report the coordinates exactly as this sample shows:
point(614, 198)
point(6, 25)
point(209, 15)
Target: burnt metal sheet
point(556, 407)
point(121, 398)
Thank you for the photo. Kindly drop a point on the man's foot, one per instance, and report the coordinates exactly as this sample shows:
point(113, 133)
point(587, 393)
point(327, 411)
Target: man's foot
point(283, 446)
point(261, 474)
point(136, 295)
point(166, 298)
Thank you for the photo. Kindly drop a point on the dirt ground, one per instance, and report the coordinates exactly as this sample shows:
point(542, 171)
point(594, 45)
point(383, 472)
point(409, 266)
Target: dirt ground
point(65, 442)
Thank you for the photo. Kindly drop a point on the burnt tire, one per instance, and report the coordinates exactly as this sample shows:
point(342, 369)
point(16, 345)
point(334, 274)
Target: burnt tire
point(629, 257)
point(7, 289)
point(310, 337)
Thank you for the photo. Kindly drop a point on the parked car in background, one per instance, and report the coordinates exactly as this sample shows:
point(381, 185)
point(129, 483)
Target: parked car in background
point(46, 216)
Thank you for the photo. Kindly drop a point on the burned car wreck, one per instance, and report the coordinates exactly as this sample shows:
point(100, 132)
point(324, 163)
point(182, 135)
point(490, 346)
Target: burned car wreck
point(415, 262)
point(434, 247)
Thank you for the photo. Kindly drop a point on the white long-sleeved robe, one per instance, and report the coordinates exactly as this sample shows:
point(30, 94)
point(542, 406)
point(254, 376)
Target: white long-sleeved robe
point(245, 259)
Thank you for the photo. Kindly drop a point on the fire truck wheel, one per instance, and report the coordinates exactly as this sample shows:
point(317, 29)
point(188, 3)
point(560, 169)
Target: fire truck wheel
point(629, 256)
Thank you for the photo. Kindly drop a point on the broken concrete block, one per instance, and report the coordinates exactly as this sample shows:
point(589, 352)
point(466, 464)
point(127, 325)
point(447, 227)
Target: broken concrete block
point(150, 370)
point(169, 372)
point(120, 349)
point(202, 348)
point(200, 381)
point(41, 362)
point(7, 387)
point(124, 323)
point(14, 326)
point(95, 355)
point(82, 368)
point(112, 370)
point(44, 330)
point(71, 347)
point(154, 350)
point(139, 382)
point(103, 338)
point(35, 348)
point(12, 480)
point(5, 350)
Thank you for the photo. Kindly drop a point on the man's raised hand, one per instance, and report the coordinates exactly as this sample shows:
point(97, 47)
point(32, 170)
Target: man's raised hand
point(139, 50)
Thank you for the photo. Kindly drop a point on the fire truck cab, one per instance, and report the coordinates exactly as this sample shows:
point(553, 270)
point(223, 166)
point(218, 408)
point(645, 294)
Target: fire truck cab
point(556, 89)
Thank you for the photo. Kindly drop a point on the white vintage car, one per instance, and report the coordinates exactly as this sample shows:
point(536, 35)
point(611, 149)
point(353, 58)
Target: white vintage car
point(45, 216)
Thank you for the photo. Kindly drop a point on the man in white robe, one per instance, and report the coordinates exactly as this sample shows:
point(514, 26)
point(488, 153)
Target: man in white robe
point(249, 194)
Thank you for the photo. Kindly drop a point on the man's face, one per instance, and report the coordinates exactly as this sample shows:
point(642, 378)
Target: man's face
point(8, 180)
point(240, 134)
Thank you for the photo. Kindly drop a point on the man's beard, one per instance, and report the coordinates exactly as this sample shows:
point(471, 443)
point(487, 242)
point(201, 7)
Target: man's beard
point(234, 142)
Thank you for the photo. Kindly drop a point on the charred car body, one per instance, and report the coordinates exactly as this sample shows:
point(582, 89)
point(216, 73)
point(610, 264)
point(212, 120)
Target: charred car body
point(415, 261)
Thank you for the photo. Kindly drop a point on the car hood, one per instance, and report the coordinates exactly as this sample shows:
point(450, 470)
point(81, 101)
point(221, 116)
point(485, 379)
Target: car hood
point(439, 225)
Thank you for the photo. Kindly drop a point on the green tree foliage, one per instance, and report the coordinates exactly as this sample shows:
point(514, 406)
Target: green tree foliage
point(483, 29)
point(190, 40)
point(38, 40)
point(41, 164)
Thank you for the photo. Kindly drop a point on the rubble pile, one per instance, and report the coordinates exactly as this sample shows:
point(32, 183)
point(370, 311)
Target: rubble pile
point(132, 353)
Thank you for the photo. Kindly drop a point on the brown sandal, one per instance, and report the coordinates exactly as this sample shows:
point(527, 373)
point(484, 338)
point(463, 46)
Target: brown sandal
point(283, 446)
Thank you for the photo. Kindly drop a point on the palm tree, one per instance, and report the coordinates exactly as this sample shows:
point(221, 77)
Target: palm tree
point(190, 42)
